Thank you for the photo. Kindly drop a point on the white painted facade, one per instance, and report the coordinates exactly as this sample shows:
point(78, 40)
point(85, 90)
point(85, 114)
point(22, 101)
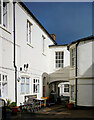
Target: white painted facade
point(85, 76)
point(35, 53)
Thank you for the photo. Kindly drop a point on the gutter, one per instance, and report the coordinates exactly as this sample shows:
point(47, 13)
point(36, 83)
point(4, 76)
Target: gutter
point(76, 67)
point(15, 67)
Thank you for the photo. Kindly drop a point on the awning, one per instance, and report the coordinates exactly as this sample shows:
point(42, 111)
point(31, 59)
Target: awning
point(61, 75)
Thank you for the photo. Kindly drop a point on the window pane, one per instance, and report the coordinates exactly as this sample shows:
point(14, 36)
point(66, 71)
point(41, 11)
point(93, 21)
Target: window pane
point(5, 14)
point(34, 88)
point(23, 80)
point(22, 88)
point(27, 88)
point(4, 89)
point(27, 80)
point(27, 31)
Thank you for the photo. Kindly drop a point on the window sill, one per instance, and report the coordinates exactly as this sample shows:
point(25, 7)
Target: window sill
point(30, 45)
point(44, 54)
point(5, 29)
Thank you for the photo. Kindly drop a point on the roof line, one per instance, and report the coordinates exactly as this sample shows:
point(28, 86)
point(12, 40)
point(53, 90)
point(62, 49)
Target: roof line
point(29, 12)
point(82, 39)
point(58, 45)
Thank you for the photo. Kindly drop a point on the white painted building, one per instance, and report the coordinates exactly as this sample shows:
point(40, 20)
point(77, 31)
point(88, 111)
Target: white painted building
point(24, 44)
point(81, 71)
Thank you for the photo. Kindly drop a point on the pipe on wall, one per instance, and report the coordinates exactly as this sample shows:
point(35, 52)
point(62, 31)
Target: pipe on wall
point(76, 67)
point(15, 67)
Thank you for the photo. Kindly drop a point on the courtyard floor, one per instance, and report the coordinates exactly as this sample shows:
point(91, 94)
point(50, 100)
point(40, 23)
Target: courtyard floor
point(56, 112)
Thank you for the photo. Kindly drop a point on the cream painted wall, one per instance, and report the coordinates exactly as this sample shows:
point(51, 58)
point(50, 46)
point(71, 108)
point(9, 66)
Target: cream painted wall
point(53, 49)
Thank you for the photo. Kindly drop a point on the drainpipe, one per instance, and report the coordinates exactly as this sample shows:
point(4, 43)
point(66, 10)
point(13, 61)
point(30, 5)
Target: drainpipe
point(15, 67)
point(76, 76)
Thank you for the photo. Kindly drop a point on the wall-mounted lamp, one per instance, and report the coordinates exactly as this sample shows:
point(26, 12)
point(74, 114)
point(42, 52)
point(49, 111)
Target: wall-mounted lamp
point(26, 67)
point(18, 79)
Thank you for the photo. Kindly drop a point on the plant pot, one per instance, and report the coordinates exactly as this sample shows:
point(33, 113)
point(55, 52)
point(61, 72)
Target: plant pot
point(70, 105)
point(14, 110)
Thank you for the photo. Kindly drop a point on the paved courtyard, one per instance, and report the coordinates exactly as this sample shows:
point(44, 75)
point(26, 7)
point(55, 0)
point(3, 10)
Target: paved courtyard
point(56, 112)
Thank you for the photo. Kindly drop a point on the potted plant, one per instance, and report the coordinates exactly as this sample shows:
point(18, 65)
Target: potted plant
point(8, 109)
point(14, 107)
point(70, 105)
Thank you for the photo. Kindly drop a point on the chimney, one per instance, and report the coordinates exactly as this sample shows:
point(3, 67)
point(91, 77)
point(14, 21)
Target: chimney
point(53, 36)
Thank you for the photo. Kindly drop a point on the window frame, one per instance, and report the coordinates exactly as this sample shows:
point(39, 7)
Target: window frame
point(3, 88)
point(66, 88)
point(3, 18)
point(25, 83)
point(29, 32)
point(59, 59)
point(73, 57)
point(36, 85)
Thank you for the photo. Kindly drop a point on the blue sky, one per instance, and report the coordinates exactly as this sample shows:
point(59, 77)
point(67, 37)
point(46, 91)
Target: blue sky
point(69, 21)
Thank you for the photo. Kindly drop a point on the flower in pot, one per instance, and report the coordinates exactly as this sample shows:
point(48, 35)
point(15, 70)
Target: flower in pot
point(70, 105)
point(14, 107)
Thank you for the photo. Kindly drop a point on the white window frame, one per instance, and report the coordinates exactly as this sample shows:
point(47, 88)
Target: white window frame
point(3, 82)
point(25, 83)
point(59, 60)
point(73, 57)
point(66, 88)
point(3, 17)
point(29, 32)
point(36, 85)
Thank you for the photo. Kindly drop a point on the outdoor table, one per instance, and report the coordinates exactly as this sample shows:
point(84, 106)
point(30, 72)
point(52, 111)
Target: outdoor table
point(40, 100)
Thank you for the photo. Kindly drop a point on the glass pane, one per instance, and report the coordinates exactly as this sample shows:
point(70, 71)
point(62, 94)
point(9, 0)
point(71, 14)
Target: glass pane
point(4, 89)
point(27, 31)
point(27, 80)
point(34, 80)
point(34, 88)
point(22, 88)
point(5, 14)
point(27, 88)
point(23, 80)
point(5, 77)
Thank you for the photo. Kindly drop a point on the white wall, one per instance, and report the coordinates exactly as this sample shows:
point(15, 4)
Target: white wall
point(31, 54)
point(53, 49)
point(84, 74)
